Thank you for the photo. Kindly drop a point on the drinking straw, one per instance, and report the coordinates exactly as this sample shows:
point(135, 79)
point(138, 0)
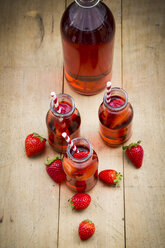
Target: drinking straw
point(70, 142)
point(56, 104)
point(108, 97)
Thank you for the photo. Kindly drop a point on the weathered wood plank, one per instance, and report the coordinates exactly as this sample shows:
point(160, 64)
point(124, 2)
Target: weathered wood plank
point(30, 67)
point(106, 209)
point(143, 75)
point(30, 34)
point(28, 196)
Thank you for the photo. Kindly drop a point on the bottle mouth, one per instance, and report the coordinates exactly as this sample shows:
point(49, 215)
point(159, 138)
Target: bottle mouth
point(116, 91)
point(68, 99)
point(87, 4)
point(80, 142)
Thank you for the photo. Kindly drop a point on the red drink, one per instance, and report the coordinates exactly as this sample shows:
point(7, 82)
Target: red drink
point(87, 30)
point(67, 121)
point(81, 168)
point(116, 118)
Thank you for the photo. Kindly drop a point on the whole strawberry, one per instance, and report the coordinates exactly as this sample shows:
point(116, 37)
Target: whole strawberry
point(34, 144)
point(55, 170)
point(135, 153)
point(86, 229)
point(80, 201)
point(111, 177)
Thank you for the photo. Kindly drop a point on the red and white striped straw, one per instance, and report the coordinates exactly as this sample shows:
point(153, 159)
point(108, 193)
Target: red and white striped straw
point(70, 142)
point(56, 104)
point(108, 96)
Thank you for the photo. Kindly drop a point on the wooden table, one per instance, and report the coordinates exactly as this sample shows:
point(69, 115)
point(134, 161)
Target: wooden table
point(34, 211)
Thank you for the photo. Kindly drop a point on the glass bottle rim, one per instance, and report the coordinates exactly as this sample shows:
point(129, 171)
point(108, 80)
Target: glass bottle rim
point(87, 6)
point(77, 160)
point(60, 95)
point(120, 90)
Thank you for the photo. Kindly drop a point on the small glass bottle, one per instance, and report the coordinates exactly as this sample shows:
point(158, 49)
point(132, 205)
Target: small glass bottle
point(81, 170)
point(67, 121)
point(87, 31)
point(116, 118)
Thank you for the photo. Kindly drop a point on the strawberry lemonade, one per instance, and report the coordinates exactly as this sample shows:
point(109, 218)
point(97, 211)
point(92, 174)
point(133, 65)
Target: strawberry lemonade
point(62, 116)
point(115, 116)
point(81, 166)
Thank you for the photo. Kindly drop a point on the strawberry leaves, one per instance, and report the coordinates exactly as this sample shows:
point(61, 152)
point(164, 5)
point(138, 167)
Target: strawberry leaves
point(131, 145)
point(40, 137)
point(50, 161)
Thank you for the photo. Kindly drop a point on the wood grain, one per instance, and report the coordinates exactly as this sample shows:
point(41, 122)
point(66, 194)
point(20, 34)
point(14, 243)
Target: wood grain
point(143, 79)
point(30, 67)
point(106, 209)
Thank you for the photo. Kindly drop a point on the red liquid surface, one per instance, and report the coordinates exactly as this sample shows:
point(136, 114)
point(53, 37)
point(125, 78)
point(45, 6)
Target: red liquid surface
point(116, 102)
point(83, 152)
point(81, 176)
point(58, 125)
point(65, 107)
point(88, 41)
point(115, 126)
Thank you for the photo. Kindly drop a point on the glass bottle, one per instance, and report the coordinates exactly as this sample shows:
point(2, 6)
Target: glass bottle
point(87, 31)
point(81, 172)
point(67, 121)
point(116, 118)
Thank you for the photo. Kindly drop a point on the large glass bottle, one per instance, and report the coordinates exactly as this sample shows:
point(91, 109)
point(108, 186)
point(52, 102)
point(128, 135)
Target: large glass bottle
point(87, 30)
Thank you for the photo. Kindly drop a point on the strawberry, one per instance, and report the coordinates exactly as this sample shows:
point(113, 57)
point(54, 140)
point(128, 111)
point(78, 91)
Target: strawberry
point(110, 177)
point(55, 170)
point(81, 154)
point(135, 153)
point(86, 229)
point(34, 144)
point(80, 201)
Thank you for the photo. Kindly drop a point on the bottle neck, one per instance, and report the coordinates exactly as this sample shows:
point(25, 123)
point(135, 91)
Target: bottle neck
point(63, 98)
point(80, 142)
point(117, 93)
point(87, 3)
